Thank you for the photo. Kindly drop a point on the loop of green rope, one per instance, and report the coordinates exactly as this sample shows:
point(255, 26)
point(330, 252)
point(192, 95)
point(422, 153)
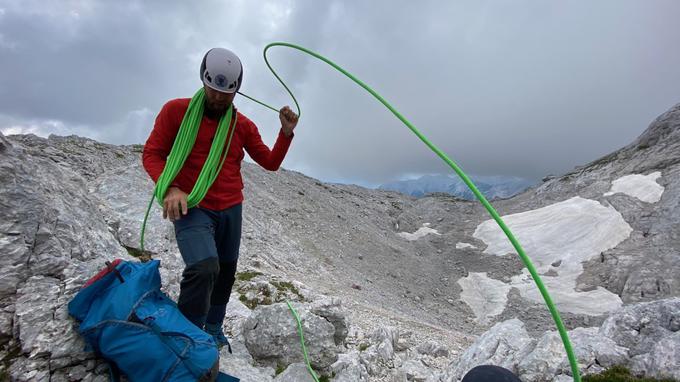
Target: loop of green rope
point(525, 259)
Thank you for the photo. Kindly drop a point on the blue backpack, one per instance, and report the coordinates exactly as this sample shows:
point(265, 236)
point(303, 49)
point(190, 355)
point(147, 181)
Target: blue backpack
point(127, 320)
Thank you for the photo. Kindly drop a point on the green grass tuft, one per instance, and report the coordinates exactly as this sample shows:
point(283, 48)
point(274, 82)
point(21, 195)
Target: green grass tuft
point(280, 369)
point(143, 256)
point(251, 304)
point(287, 286)
point(620, 374)
point(247, 275)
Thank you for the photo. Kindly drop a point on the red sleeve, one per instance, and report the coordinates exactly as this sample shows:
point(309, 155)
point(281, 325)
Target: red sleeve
point(268, 159)
point(158, 146)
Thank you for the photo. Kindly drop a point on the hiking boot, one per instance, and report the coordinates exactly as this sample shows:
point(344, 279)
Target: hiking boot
point(215, 330)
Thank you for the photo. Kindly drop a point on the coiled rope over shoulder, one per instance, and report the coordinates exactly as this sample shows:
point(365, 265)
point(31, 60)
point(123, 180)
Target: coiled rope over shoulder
point(181, 148)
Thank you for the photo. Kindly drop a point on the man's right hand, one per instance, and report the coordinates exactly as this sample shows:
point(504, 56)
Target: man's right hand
point(175, 202)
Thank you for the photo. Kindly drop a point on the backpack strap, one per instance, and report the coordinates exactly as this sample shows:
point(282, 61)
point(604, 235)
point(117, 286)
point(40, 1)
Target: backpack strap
point(110, 268)
point(190, 365)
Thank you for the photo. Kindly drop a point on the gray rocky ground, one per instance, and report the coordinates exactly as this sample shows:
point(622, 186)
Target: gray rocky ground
point(377, 276)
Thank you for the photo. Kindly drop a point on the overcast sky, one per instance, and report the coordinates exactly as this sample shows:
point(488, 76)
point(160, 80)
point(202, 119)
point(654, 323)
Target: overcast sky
point(523, 87)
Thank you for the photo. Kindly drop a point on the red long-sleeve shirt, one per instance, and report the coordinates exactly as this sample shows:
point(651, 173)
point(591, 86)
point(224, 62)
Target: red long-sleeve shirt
point(226, 191)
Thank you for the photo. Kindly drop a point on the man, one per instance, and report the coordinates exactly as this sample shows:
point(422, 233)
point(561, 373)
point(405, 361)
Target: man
point(209, 235)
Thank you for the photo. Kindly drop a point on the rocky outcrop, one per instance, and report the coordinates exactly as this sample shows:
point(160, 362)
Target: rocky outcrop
point(50, 241)
point(651, 332)
point(643, 337)
point(505, 344)
point(646, 266)
point(297, 372)
point(5, 145)
point(349, 368)
point(593, 352)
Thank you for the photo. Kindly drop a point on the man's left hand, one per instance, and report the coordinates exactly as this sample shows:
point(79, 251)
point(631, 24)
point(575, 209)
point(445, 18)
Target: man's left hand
point(288, 120)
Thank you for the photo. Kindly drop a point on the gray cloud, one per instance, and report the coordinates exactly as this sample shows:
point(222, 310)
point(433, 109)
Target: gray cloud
point(522, 88)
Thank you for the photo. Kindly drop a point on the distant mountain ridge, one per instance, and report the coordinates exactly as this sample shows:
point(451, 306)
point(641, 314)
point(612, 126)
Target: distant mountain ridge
point(497, 186)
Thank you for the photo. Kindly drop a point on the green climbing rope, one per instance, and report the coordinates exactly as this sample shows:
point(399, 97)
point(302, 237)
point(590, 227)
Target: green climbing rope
point(525, 259)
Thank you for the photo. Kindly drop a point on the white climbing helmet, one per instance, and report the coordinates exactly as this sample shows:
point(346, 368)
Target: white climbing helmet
point(221, 70)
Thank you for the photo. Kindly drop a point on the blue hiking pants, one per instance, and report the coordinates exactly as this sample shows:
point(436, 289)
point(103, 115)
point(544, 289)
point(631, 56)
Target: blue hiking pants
point(209, 243)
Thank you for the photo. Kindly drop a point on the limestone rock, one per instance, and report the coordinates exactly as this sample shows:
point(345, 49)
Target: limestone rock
point(432, 348)
point(640, 327)
point(271, 336)
point(243, 369)
point(662, 360)
point(5, 145)
point(416, 371)
point(296, 372)
point(548, 359)
point(505, 345)
point(331, 310)
point(348, 368)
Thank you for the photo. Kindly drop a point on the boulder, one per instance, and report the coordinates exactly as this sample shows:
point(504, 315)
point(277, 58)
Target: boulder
point(272, 338)
point(505, 345)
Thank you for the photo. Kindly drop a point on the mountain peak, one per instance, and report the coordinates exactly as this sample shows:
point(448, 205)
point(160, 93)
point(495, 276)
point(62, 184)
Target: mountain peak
point(664, 130)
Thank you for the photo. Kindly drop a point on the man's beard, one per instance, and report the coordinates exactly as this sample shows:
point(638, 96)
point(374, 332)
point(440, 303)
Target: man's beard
point(215, 111)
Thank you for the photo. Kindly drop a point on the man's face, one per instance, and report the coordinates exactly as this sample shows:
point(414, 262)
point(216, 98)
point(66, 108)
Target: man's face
point(216, 101)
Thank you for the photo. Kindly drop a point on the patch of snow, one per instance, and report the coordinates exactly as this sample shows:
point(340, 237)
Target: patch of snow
point(422, 231)
point(464, 245)
point(643, 187)
point(572, 231)
point(486, 297)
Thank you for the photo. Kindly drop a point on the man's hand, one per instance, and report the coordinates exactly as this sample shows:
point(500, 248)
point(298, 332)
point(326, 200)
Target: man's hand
point(175, 200)
point(288, 120)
